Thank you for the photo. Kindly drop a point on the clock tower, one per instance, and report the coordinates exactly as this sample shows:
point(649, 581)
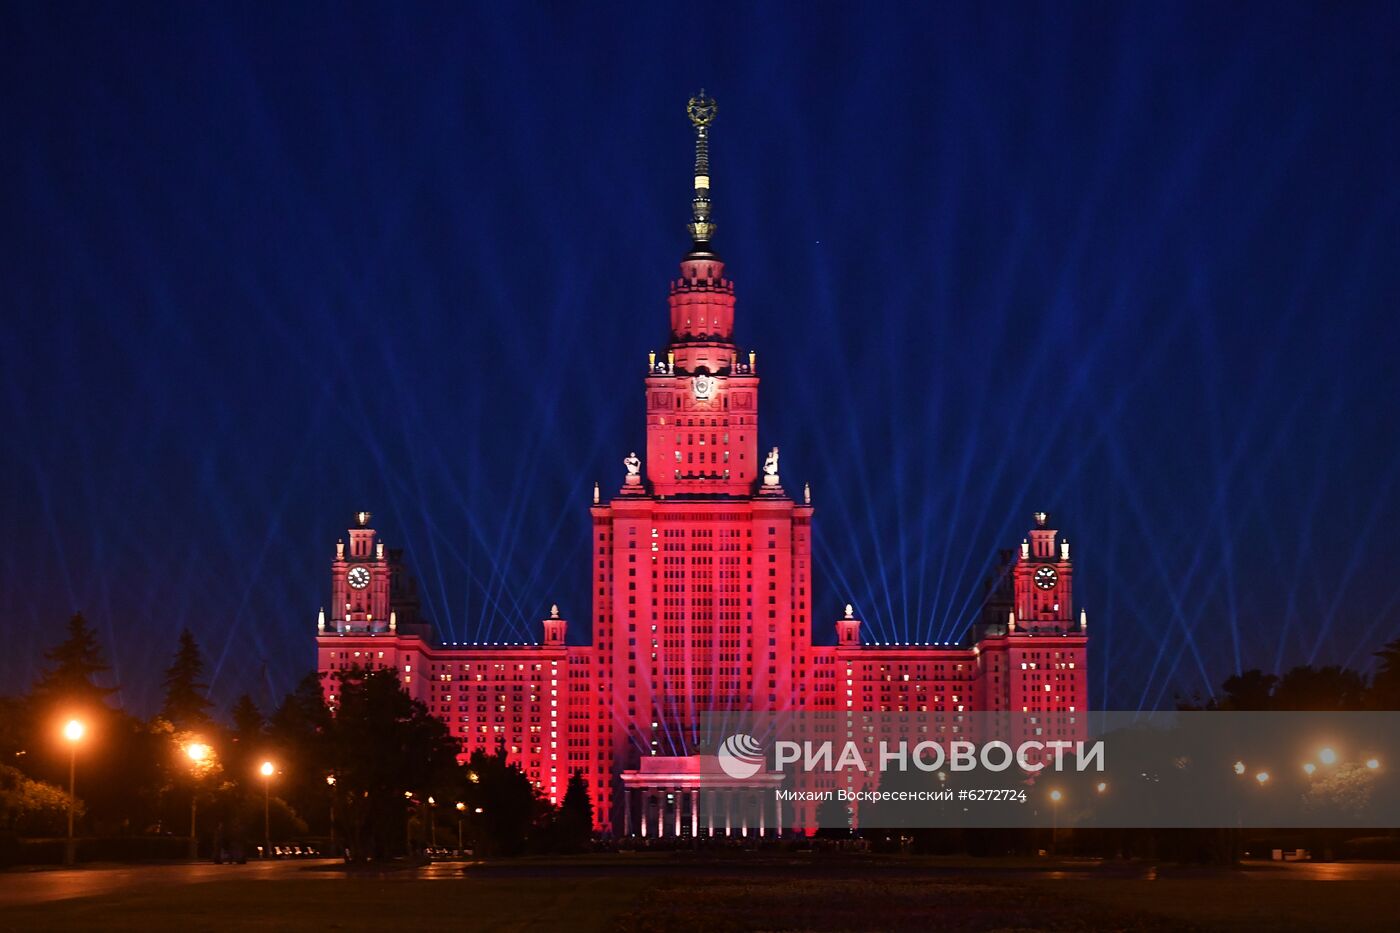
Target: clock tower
point(360, 581)
point(702, 392)
point(1043, 582)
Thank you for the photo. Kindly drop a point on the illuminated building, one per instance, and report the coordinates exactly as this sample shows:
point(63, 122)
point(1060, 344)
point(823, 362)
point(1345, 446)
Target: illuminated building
point(701, 579)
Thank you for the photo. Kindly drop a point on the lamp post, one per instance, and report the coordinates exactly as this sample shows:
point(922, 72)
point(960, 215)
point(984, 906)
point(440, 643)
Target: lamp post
point(1055, 797)
point(330, 782)
point(266, 770)
point(432, 822)
point(461, 809)
point(198, 753)
point(73, 732)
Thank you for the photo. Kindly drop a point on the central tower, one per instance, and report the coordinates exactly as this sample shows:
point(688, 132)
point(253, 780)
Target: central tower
point(702, 393)
point(702, 561)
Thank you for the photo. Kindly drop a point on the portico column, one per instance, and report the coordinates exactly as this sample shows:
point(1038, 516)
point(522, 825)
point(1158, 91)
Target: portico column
point(778, 813)
point(679, 795)
point(762, 812)
point(626, 812)
point(728, 811)
point(710, 811)
point(644, 813)
point(694, 812)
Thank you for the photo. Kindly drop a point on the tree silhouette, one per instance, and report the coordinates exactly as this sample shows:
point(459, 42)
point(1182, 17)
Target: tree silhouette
point(575, 819)
point(185, 703)
point(75, 664)
point(1320, 688)
point(508, 802)
point(248, 721)
point(1385, 688)
point(300, 738)
point(387, 750)
point(1250, 690)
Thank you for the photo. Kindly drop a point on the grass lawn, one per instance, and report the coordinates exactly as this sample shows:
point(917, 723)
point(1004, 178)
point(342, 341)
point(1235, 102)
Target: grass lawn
point(732, 892)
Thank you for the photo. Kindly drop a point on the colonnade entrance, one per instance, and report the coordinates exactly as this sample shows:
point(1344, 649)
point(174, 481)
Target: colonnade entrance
point(692, 798)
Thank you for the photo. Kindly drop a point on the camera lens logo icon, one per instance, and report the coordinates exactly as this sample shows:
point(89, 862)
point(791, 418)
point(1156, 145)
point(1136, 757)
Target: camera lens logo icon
point(740, 756)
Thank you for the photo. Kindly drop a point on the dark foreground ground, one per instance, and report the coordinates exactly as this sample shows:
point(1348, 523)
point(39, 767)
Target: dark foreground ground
point(728, 891)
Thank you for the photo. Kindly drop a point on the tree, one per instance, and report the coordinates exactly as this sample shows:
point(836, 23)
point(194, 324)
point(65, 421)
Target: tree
point(300, 739)
point(75, 664)
point(1320, 688)
point(248, 721)
point(509, 804)
point(1250, 690)
point(185, 703)
point(575, 819)
point(1385, 688)
point(386, 750)
point(28, 806)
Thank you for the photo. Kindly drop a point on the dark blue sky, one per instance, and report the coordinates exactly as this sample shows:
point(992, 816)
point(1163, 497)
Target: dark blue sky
point(1133, 264)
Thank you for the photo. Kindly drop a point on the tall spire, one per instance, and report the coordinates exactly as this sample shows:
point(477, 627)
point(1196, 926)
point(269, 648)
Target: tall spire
point(701, 110)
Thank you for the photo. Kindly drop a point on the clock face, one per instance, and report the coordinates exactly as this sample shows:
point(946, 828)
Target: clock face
point(1046, 578)
point(358, 577)
point(703, 386)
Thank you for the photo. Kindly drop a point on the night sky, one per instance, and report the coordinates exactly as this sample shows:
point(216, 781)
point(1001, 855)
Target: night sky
point(1137, 265)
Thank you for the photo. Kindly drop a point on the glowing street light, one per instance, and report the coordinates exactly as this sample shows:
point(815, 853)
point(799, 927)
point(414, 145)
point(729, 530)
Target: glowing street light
point(73, 732)
point(1373, 763)
point(461, 809)
point(1327, 756)
point(198, 753)
point(1239, 767)
point(1262, 777)
point(1101, 786)
point(1055, 797)
point(1309, 768)
point(267, 769)
point(330, 782)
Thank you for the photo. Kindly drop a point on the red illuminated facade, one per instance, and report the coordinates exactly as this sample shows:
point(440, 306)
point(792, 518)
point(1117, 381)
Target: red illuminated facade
point(702, 601)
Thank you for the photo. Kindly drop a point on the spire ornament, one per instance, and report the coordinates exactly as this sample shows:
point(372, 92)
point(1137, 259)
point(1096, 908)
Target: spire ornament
point(701, 110)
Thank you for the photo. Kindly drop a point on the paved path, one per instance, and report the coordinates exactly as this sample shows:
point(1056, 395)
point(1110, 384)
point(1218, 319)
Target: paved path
point(20, 888)
point(39, 886)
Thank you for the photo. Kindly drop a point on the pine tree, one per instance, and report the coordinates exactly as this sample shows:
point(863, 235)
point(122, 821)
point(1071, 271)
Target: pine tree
point(185, 703)
point(248, 721)
point(576, 815)
point(74, 665)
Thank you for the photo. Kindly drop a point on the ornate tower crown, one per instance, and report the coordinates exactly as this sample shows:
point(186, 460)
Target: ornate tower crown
point(702, 111)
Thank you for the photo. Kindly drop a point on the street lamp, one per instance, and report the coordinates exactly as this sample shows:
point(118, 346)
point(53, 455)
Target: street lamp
point(330, 782)
point(73, 732)
point(432, 822)
point(266, 769)
point(1262, 777)
point(1055, 797)
point(461, 808)
point(198, 753)
point(1327, 756)
point(1373, 763)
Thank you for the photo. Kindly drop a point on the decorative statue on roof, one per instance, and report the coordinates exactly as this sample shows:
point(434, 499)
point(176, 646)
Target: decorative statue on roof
point(770, 468)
